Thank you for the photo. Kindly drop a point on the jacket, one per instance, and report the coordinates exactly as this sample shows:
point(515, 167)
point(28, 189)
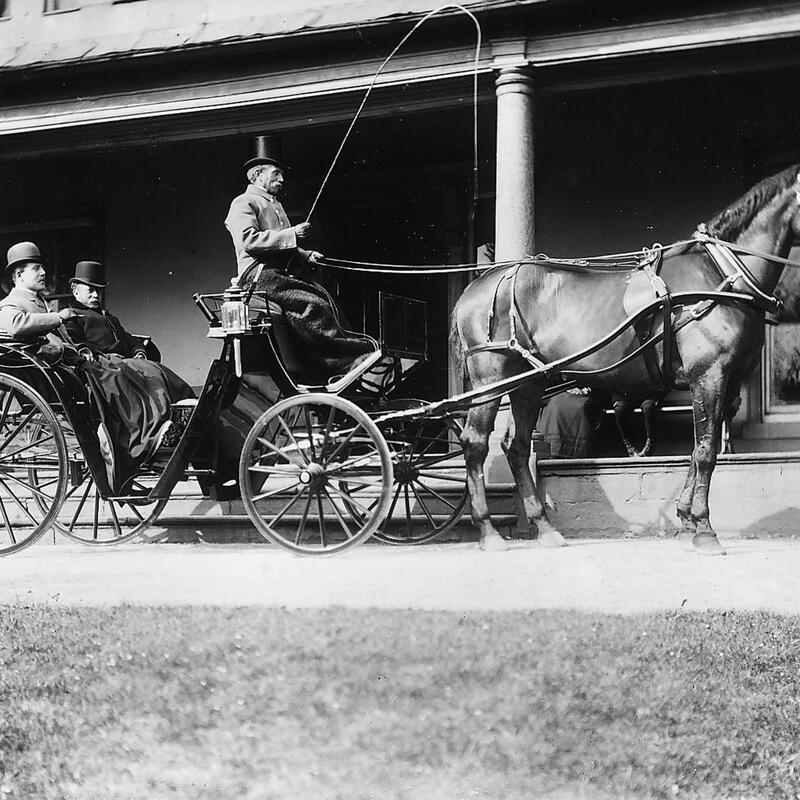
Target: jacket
point(102, 332)
point(261, 232)
point(25, 314)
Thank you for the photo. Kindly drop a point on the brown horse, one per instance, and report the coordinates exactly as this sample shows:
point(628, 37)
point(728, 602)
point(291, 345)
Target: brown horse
point(560, 312)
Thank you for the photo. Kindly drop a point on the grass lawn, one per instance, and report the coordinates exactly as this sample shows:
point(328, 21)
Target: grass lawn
point(243, 704)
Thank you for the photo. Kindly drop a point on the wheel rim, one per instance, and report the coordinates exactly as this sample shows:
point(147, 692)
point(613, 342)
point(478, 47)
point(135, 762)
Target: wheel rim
point(87, 518)
point(429, 493)
point(294, 463)
point(30, 438)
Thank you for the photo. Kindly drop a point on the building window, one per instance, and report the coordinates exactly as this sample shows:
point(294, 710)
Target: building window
point(51, 6)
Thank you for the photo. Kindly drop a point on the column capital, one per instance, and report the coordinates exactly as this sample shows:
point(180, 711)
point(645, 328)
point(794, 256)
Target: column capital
point(515, 80)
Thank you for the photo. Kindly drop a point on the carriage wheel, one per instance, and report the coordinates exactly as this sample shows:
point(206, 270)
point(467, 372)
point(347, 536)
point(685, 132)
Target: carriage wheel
point(294, 463)
point(87, 518)
point(30, 437)
point(430, 485)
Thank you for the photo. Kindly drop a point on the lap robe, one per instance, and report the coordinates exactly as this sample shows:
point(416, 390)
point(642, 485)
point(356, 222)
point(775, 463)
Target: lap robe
point(313, 320)
point(134, 399)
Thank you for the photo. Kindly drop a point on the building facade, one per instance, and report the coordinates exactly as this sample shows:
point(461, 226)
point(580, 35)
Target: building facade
point(602, 127)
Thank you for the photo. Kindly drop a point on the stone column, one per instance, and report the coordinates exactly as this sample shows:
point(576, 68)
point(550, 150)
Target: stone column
point(514, 209)
point(514, 215)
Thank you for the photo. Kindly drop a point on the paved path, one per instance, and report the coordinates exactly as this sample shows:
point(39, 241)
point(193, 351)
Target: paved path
point(622, 576)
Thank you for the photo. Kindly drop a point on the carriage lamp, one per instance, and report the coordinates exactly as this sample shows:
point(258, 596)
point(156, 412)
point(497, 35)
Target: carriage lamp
point(235, 320)
point(234, 310)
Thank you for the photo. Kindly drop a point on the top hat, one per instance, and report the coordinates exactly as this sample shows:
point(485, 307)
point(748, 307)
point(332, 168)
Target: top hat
point(254, 162)
point(91, 273)
point(23, 253)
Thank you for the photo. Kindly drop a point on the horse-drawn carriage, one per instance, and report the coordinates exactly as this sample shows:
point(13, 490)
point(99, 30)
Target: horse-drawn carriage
point(315, 473)
point(328, 464)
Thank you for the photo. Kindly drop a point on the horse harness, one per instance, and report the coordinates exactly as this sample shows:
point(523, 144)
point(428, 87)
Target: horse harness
point(661, 326)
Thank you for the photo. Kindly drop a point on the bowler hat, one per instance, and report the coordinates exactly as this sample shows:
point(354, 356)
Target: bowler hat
point(91, 273)
point(23, 253)
point(258, 160)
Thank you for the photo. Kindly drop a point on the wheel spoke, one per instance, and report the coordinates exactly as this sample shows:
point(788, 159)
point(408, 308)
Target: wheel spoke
point(7, 398)
point(310, 429)
point(30, 487)
point(273, 492)
point(22, 507)
point(279, 452)
point(25, 447)
point(82, 503)
point(432, 461)
point(327, 435)
point(113, 511)
point(436, 494)
point(283, 424)
point(344, 444)
point(7, 522)
point(338, 513)
point(19, 427)
point(301, 526)
point(322, 533)
point(394, 501)
point(408, 509)
point(451, 478)
point(348, 498)
point(423, 506)
point(283, 511)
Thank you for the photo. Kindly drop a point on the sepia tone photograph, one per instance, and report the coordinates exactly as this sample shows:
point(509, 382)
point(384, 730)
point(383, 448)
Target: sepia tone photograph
point(399, 400)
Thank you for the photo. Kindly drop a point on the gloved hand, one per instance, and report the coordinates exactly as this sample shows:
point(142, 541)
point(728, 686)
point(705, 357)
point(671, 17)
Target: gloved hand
point(302, 231)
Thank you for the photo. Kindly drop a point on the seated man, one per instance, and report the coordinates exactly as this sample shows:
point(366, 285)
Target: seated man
point(133, 396)
point(94, 327)
point(270, 257)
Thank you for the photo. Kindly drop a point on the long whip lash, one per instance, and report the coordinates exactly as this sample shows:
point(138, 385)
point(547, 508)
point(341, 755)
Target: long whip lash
point(478, 39)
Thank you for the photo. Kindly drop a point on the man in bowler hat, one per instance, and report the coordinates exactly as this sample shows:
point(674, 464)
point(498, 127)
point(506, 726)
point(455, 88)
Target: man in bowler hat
point(24, 313)
point(96, 329)
point(269, 257)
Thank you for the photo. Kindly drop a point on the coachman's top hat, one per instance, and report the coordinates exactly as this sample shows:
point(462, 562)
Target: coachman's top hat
point(23, 253)
point(91, 273)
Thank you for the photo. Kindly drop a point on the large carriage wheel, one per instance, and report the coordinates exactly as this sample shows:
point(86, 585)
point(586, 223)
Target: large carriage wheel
point(295, 462)
point(30, 437)
point(87, 518)
point(430, 485)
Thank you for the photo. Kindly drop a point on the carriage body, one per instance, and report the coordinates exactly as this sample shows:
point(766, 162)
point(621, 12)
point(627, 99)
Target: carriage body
point(53, 474)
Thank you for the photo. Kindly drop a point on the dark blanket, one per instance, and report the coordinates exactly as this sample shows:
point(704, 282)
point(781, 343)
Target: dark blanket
point(314, 320)
point(134, 401)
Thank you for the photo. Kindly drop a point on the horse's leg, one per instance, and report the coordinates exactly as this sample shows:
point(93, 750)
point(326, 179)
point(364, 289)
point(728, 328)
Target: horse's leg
point(475, 441)
point(688, 528)
point(525, 403)
point(708, 396)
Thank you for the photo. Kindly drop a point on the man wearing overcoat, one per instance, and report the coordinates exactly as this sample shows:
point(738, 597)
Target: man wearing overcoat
point(96, 328)
point(269, 256)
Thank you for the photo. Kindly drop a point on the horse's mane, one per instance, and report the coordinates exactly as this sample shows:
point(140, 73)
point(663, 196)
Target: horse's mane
point(730, 222)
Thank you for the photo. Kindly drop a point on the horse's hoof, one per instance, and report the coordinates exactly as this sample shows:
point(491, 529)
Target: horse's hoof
point(551, 538)
point(685, 539)
point(493, 544)
point(707, 544)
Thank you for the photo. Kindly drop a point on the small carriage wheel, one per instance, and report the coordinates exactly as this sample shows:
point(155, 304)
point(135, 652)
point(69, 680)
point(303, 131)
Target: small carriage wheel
point(294, 463)
point(30, 437)
point(87, 518)
point(430, 484)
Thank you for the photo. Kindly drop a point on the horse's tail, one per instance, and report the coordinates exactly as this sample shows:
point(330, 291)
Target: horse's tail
point(456, 345)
